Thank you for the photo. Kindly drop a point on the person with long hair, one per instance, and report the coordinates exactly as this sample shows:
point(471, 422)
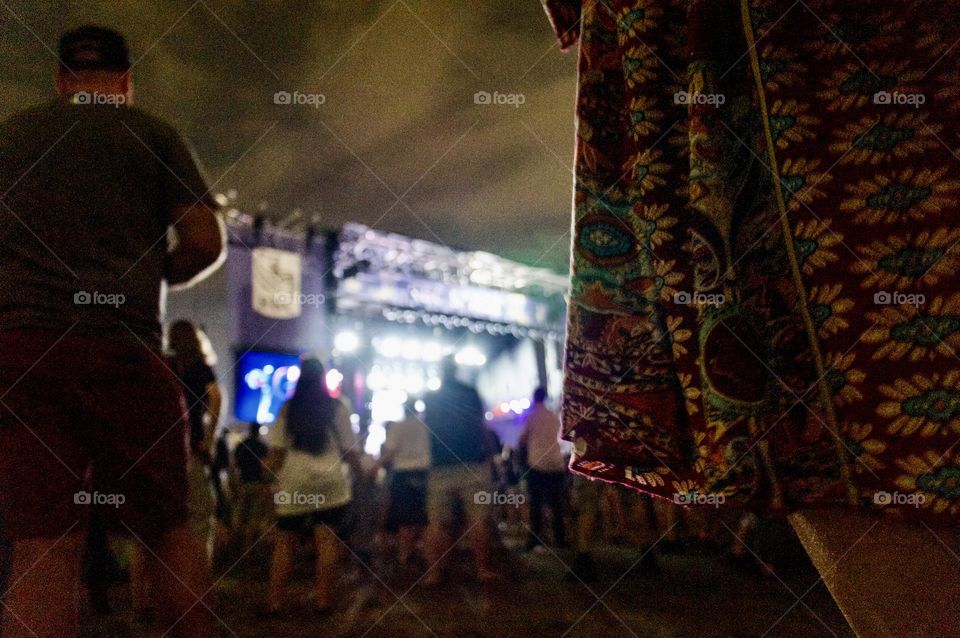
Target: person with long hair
point(191, 361)
point(309, 444)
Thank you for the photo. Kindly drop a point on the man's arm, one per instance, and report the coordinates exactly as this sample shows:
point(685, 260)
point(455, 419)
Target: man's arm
point(200, 245)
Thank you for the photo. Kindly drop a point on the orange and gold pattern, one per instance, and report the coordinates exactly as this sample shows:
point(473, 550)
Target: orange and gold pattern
point(765, 299)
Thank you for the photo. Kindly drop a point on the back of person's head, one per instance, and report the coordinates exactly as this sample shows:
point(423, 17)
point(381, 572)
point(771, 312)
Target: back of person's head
point(448, 368)
point(183, 340)
point(540, 395)
point(253, 430)
point(311, 410)
point(96, 60)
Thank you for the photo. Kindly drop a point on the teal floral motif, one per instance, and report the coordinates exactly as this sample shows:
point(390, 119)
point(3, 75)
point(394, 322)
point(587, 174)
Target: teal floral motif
point(791, 185)
point(836, 380)
point(854, 447)
point(805, 248)
point(945, 482)
point(883, 138)
point(780, 124)
point(926, 331)
point(912, 262)
point(864, 82)
point(769, 68)
point(638, 117)
point(629, 19)
point(940, 405)
point(898, 196)
point(605, 241)
point(820, 313)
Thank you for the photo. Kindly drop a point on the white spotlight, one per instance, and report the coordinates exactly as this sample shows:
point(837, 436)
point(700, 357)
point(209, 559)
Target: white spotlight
point(471, 356)
point(346, 341)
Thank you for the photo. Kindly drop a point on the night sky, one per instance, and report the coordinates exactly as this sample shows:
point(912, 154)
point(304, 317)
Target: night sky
point(399, 118)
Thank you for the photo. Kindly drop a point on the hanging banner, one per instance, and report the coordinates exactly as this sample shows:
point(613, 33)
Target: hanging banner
point(276, 278)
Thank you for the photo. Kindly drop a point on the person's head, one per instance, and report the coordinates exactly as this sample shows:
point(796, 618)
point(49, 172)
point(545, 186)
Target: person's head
point(448, 369)
point(94, 60)
point(253, 430)
point(311, 410)
point(183, 339)
point(539, 396)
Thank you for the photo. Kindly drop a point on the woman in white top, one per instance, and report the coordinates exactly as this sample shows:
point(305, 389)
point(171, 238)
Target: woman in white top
point(406, 453)
point(309, 444)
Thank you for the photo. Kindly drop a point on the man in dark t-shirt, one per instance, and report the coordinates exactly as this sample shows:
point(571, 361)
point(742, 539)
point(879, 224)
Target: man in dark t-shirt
point(459, 471)
point(90, 187)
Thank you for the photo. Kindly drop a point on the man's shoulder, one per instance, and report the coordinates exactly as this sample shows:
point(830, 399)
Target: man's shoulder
point(136, 116)
point(27, 117)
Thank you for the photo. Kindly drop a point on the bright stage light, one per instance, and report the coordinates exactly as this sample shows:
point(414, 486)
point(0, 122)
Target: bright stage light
point(434, 383)
point(390, 347)
point(334, 379)
point(412, 349)
point(376, 380)
point(471, 356)
point(346, 341)
point(432, 351)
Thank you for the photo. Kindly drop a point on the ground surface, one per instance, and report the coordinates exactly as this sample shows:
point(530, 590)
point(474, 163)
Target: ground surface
point(696, 595)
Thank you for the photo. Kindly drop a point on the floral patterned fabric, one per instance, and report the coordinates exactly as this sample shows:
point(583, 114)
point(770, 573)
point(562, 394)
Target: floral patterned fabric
point(765, 301)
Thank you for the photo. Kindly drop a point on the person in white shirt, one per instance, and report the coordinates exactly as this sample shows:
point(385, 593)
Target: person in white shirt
point(406, 453)
point(547, 469)
point(309, 444)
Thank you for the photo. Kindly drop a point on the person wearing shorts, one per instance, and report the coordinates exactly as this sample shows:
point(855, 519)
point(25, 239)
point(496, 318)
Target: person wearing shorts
point(406, 452)
point(254, 509)
point(90, 189)
point(309, 444)
point(460, 472)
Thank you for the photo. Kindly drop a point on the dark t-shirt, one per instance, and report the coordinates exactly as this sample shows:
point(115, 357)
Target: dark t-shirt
point(195, 379)
point(85, 197)
point(249, 457)
point(454, 416)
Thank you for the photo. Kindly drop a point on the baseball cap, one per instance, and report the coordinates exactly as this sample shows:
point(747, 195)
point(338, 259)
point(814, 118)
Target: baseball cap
point(93, 48)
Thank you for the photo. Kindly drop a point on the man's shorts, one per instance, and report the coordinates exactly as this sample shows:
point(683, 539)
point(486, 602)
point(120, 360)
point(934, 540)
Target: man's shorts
point(89, 421)
point(304, 524)
point(465, 486)
point(408, 500)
